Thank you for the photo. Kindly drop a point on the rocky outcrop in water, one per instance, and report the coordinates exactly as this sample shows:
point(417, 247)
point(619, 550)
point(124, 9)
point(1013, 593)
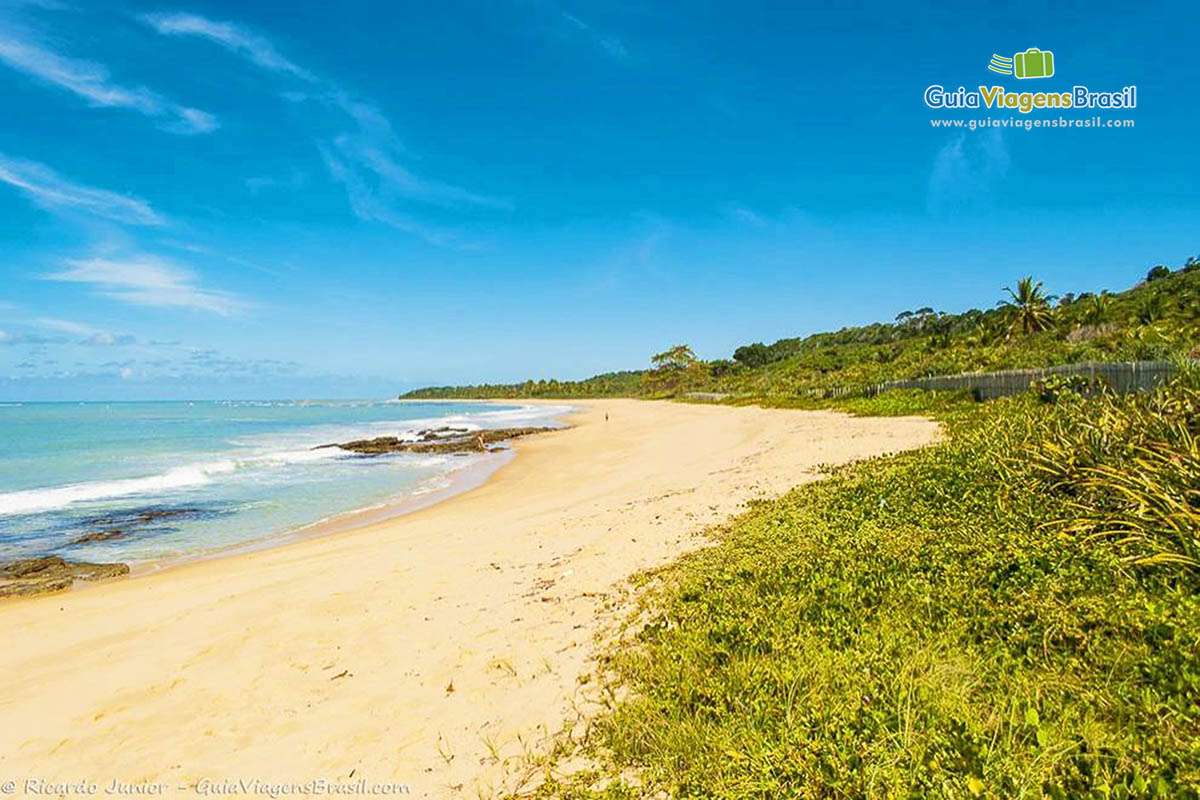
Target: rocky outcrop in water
point(100, 536)
point(145, 515)
point(51, 574)
point(141, 521)
point(437, 440)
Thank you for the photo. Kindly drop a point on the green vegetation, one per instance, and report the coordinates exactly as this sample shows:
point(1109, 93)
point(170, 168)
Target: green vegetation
point(1159, 318)
point(894, 403)
point(1029, 307)
point(675, 370)
point(610, 384)
point(1011, 613)
point(1155, 320)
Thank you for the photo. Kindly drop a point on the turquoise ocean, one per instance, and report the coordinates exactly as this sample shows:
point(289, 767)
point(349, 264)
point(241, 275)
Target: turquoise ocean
point(165, 481)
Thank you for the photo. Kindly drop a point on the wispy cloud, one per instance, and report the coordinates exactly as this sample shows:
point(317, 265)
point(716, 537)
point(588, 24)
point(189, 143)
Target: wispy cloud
point(36, 340)
point(232, 37)
point(367, 158)
point(377, 153)
point(66, 326)
point(295, 181)
point(92, 82)
point(212, 361)
point(204, 250)
point(149, 281)
point(966, 170)
point(610, 45)
point(48, 189)
point(91, 335)
point(366, 204)
point(368, 161)
point(748, 216)
point(109, 339)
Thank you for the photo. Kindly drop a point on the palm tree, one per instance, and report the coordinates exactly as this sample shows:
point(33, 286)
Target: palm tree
point(1099, 309)
point(674, 369)
point(678, 357)
point(940, 327)
point(1030, 306)
point(1152, 308)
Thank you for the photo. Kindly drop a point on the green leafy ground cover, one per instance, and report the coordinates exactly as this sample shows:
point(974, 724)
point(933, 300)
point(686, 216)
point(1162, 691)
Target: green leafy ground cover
point(1011, 613)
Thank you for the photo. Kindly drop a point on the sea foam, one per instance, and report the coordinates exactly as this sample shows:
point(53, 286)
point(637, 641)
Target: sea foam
point(266, 452)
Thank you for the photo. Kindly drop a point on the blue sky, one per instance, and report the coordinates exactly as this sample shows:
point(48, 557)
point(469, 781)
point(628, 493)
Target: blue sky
point(219, 199)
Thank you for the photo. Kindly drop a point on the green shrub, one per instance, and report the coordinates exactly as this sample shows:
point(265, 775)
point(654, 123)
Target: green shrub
point(1053, 387)
point(1128, 470)
point(1157, 273)
point(975, 619)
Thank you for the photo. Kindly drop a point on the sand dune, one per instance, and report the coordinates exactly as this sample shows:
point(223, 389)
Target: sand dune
point(433, 650)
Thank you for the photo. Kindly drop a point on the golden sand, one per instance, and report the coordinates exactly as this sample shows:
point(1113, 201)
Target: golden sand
point(436, 649)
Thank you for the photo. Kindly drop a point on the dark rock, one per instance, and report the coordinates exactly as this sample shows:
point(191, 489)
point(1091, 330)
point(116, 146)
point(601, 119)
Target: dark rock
point(100, 536)
point(144, 516)
point(440, 433)
point(32, 566)
point(437, 440)
point(51, 574)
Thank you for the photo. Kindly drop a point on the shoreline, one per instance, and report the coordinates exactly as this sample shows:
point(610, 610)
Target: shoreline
point(442, 648)
point(460, 480)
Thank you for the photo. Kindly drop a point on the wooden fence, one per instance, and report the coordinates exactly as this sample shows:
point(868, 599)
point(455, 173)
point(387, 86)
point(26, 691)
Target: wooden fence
point(1125, 376)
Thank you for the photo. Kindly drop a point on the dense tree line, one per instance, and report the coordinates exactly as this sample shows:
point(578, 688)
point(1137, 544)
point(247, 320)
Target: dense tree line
point(1027, 327)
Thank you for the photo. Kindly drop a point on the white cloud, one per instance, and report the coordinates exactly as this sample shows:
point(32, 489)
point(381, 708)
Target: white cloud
point(92, 82)
point(232, 37)
point(48, 189)
point(367, 162)
point(366, 205)
point(966, 170)
point(367, 159)
point(193, 120)
point(149, 281)
point(91, 336)
point(66, 326)
point(377, 155)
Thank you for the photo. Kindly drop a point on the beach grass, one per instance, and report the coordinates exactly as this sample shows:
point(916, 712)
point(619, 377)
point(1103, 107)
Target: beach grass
point(1010, 613)
point(894, 403)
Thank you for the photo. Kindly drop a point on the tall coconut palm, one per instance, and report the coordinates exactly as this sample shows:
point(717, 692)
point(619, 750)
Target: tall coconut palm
point(1030, 306)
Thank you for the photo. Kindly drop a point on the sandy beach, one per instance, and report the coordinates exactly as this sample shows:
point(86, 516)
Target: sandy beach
point(435, 650)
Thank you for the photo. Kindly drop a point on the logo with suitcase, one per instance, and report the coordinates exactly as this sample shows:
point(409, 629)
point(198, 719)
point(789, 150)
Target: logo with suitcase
point(1033, 63)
